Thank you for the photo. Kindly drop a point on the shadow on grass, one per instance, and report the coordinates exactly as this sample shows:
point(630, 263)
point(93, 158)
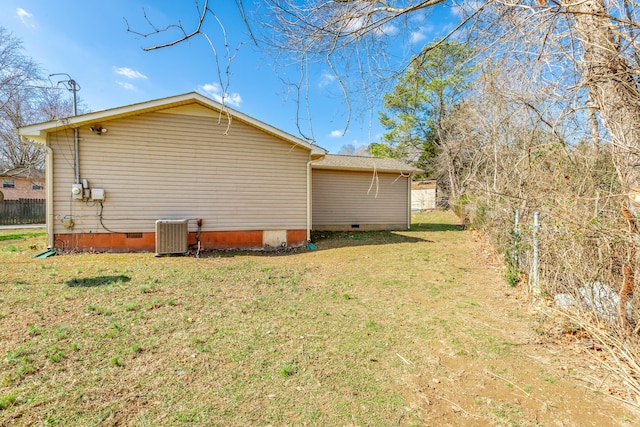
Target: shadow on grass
point(437, 227)
point(90, 282)
point(324, 240)
point(339, 239)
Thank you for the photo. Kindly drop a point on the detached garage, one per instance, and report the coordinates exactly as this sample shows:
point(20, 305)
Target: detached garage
point(361, 193)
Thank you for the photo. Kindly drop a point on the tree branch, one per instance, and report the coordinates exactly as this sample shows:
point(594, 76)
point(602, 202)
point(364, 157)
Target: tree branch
point(179, 26)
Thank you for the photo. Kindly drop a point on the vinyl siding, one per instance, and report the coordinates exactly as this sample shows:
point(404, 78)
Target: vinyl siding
point(180, 164)
point(345, 198)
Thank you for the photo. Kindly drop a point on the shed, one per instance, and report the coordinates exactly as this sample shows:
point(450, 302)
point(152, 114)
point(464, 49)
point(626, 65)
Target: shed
point(361, 193)
point(423, 195)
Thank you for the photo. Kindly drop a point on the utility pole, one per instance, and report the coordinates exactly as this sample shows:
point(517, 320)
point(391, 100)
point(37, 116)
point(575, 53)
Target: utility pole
point(74, 87)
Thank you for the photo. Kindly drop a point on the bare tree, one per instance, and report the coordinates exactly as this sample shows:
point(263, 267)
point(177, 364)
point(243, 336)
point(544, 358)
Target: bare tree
point(173, 34)
point(594, 39)
point(16, 72)
point(27, 106)
point(610, 73)
point(579, 56)
point(25, 98)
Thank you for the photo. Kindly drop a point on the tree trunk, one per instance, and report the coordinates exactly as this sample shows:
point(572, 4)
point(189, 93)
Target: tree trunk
point(593, 122)
point(611, 83)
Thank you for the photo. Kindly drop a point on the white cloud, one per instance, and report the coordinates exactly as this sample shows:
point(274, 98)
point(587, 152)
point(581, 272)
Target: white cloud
point(24, 17)
point(215, 91)
point(127, 86)
point(418, 17)
point(234, 99)
point(358, 26)
point(129, 73)
point(466, 8)
point(355, 25)
point(417, 36)
point(388, 30)
point(211, 88)
point(326, 79)
point(336, 134)
point(457, 11)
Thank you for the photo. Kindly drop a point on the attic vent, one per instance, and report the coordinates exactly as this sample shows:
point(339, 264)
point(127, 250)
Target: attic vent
point(171, 236)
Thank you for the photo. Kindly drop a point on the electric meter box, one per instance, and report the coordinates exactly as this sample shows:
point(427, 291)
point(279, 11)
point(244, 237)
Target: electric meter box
point(76, 191)
point(97, 194)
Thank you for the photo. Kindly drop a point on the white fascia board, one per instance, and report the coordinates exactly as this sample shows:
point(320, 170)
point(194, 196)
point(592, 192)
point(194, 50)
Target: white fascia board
point(39, 131)
point(364, 169)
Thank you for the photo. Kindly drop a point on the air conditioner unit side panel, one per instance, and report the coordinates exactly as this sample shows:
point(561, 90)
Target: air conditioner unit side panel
point(172, 236)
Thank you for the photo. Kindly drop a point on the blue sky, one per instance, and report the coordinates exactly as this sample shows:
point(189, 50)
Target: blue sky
point(89, 41)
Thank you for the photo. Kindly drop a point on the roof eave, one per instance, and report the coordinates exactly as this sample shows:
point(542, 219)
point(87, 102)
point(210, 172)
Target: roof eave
point(39, 131)
point(38, 136)
point(366, 169)
point(318, 152)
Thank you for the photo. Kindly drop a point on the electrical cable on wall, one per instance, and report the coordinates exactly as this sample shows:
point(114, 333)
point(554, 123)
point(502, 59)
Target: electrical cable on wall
point(374, 178)
point(67, 137)
point(198, 231)
point(199, 224)
point(402, 175)
point(102, 223)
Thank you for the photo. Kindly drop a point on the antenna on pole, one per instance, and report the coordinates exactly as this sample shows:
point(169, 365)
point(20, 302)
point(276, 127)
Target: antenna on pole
point(71, 85)
point(74, 87)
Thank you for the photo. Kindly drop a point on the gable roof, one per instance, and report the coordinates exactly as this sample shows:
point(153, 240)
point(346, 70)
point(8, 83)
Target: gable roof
point(427, 184)
point(39, 131)
point(361, 163)
point(24, 172)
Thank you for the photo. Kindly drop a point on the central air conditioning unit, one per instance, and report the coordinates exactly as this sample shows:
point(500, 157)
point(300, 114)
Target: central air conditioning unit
point(171, 236)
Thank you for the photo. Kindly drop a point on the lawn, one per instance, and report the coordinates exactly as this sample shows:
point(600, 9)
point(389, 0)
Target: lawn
point(381, 329)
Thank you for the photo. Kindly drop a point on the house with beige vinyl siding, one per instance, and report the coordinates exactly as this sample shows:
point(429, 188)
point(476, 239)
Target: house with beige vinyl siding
point(361, 193)
point(116, 178)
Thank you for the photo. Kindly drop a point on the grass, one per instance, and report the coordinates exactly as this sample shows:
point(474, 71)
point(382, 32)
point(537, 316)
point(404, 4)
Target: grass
point(20, 236)
point(333, 336)
point(7, 401)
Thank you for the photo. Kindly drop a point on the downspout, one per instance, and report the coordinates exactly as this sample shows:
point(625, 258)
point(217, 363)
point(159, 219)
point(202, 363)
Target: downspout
point(49, 183)
point(74, 87)
point(409, 181)
point(309, 210)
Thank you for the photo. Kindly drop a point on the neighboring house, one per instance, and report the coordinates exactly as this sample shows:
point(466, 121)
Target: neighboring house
point(363, 193)
point(423, 195)
point(23, 183)
point(185, 157)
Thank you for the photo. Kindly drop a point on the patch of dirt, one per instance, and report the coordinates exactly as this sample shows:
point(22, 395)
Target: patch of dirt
point(549, 375)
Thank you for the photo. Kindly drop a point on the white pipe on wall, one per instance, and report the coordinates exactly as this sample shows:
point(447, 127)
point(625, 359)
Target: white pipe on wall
point(49, 183)
point(309, 198)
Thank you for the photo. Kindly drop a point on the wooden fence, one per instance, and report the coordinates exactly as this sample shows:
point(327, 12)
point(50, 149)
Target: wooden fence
point(22, 211)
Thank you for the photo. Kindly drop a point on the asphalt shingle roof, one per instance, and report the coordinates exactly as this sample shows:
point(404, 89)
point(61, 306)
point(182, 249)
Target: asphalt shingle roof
point(23, 172)
point(333, 161)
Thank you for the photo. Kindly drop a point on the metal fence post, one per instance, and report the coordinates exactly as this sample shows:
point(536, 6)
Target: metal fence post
point(516, 238)
point(534, 273)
